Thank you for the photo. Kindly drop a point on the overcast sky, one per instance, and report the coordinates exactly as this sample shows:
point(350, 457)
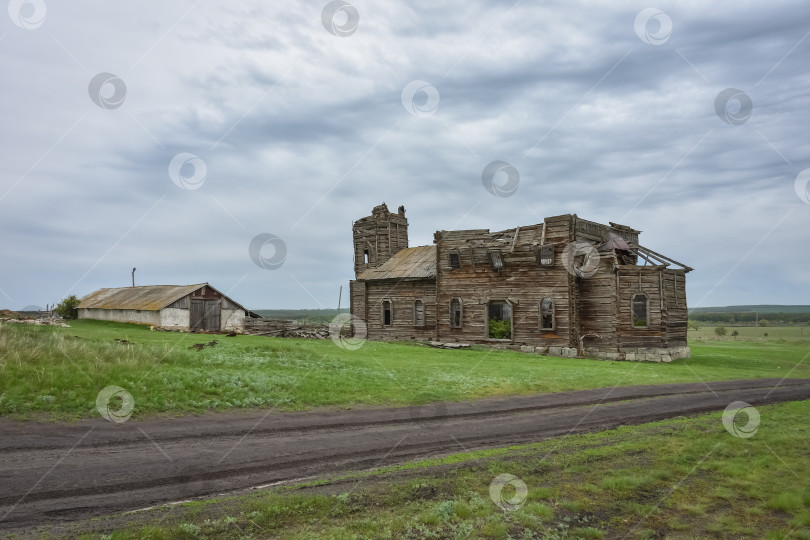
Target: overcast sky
point(168, 135)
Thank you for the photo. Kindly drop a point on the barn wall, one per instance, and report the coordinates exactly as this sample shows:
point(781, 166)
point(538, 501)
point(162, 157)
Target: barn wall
point(522, 282)
point(174, 318)
point(232, 319)
point(402, 295)
point(121, 315)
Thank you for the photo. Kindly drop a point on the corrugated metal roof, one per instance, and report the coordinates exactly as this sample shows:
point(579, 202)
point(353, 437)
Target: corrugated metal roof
point(414, 263)
point(146, 298)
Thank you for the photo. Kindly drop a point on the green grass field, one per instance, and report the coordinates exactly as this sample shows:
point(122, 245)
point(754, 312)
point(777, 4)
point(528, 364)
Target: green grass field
point(49, 373)
point(799, 333)
point(683, 478)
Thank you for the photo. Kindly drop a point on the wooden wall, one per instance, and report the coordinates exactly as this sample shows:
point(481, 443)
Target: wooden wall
point(676, 313)
point(402, 295)
point(383, 234)
point(646, 280)
point(357, 299)
point(599, 304)
point(596, 309)
point(521, 281)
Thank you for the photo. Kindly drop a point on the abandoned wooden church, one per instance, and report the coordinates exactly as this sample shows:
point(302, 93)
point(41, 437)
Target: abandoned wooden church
point(563, 287)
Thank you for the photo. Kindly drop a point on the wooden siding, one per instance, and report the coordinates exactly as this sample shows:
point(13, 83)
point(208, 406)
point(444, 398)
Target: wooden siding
point(522, 282)
point(676, 321)
point(357, 299)
point(383, 234)
point(402, 295)
point(598, 304)
point(479, 267)
point(640, 280)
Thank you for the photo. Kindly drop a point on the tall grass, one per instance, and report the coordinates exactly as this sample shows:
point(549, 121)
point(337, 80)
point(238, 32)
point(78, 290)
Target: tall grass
point(56, 373)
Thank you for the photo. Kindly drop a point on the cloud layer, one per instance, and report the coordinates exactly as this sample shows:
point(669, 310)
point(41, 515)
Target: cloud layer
point(607, 111)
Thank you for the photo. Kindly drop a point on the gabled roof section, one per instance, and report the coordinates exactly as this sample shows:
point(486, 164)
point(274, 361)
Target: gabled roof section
point(146, 298)
point(408, 263)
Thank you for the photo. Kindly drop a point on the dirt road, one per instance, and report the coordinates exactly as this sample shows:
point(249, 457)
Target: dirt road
point(52, 473)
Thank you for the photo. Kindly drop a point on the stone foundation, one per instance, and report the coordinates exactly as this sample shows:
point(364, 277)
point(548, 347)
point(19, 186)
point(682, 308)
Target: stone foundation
point(640, 354)
point(631, 354)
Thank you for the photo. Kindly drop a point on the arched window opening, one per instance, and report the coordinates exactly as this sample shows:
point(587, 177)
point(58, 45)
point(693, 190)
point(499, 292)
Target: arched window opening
point(546, 314)
point(500, 320)
point(418, 313)
point(387, 314)
point(455, 313)
point(641, 311)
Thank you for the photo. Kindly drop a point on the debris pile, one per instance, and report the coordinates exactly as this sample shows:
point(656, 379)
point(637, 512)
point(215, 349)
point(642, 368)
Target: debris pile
point(201, 346)
point(440, 345)
point(286, 328)
point(13, 317)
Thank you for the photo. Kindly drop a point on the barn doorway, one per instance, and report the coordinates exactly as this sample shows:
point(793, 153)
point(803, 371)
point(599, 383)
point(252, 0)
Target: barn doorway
point(205, 315)
point(499, 322)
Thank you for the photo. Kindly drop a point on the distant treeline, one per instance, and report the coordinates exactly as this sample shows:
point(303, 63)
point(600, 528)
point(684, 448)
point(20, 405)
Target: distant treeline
point(763, 308)
point(749, 318)
point(303, 315)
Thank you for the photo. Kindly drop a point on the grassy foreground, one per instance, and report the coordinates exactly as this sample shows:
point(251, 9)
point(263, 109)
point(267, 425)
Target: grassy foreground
point(684, 478)
point(56, 373)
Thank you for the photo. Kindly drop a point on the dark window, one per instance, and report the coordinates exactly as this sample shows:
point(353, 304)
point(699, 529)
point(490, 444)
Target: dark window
point(495, 260)
point(455, 313)
point(419, 313)
point(545, 255)
point(640, 309)
point(386, 313)
point(365, 256)
point(455, 261)
point(500, 320)
point(546, 314)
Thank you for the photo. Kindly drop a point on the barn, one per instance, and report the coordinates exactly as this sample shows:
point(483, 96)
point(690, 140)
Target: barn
point(195, 308)
point(566, 287)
